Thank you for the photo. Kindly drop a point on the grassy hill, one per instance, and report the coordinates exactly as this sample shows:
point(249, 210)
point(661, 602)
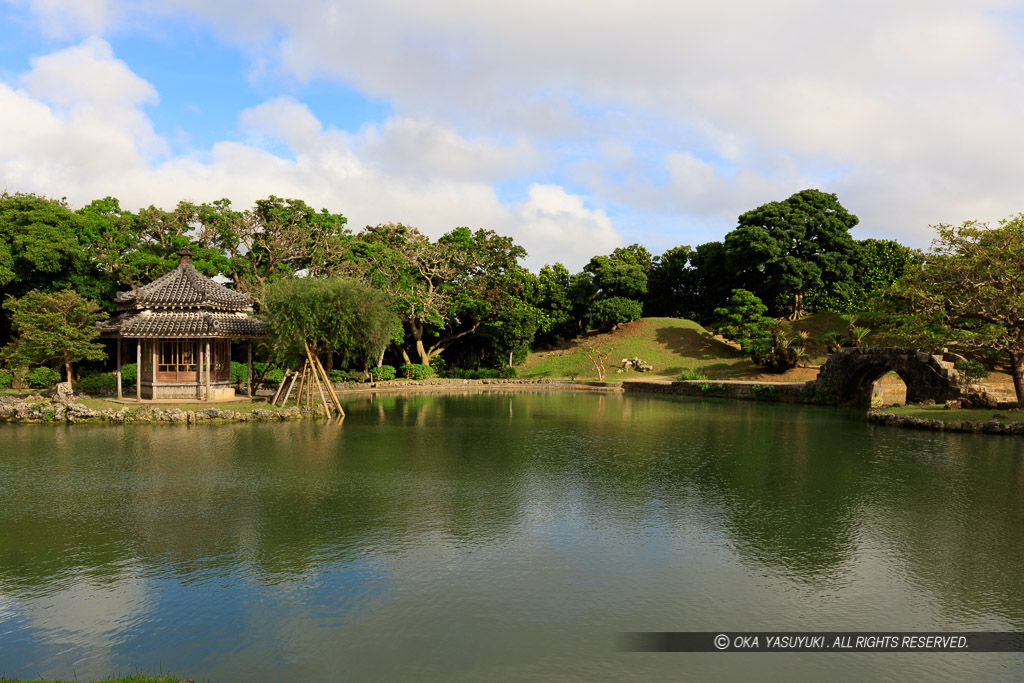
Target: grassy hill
point(669, 344)
point(672, 345)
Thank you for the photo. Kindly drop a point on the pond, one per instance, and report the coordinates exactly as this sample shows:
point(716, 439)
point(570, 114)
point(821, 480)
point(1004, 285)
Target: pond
point(503, 536)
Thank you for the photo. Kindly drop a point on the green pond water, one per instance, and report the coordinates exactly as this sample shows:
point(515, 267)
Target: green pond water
point(503, 536)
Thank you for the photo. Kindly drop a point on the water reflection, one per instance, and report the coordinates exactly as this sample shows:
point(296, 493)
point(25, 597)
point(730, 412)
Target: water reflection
point(528, 524)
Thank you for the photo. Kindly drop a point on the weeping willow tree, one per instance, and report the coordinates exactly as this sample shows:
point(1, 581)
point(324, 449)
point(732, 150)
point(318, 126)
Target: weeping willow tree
point(334, 316)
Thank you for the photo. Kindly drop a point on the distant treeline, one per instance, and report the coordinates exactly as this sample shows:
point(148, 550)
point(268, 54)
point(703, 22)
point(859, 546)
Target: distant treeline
point(464, 294)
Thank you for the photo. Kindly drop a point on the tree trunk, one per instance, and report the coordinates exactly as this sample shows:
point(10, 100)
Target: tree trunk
point(67, 371)
point(422, 351)
point(405, 355)
point(1017, 371)
point(798, 306)
point(380, 358)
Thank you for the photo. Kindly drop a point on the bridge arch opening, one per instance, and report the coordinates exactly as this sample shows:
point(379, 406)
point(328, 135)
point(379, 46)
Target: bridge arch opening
point(881, 385)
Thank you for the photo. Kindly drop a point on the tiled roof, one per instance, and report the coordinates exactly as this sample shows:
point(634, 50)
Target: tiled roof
point(174, 324)
point(184, 287)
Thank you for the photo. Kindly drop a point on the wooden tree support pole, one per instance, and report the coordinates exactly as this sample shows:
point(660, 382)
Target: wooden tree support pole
point(291, 386)
point(280, 387)
point(302, 385)
point(320, 390)
point(330, 389)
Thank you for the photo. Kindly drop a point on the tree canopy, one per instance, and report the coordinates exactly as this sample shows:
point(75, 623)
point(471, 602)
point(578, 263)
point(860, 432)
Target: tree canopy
point(332, 315)
point(53, 326)
point(969, 292)
point(780, 250)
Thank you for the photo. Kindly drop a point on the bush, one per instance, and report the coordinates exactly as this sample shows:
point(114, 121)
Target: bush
point(42, 377)
point(238, 371)
point(508, 372)
point(6, 377)
point(469, 373)
point(609, 313)
point(103, 383)
point(337, 376)
point(416, 371)
point(383, 373)
point(692, 374)
point(272, 377)
point(437, 363)
point(128, 374)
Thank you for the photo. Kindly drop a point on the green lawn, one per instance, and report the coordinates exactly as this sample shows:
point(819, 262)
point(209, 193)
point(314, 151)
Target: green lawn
point(669, 344)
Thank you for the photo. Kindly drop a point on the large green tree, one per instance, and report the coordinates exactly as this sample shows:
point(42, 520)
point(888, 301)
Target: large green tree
point(52, 326)
point(780, 250)
point(969, 293)
point(443, 290)
point(335, 315)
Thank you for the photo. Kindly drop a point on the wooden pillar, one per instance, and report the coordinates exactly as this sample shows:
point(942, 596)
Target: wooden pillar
point(248, 372)
point(153, 359)
point(208, 367)
point(119, 342)
point(199, 369)
point(138, 369)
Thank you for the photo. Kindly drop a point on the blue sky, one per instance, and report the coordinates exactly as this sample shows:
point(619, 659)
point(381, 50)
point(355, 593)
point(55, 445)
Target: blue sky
point(573, 127)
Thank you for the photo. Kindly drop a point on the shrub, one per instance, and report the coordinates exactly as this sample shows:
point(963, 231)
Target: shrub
point(508, 372)
point(128, 373)
point(6, 377)
point(416, 371)
point(273, 377)
point(437, 363)
point(103, 383)
point(692, 374)
point(337, 376)
point(609, 313)
point(766, 392)
point(238, 371)
point(470, 373)
point(42, 377)
point(743, 320)
point(383, 373)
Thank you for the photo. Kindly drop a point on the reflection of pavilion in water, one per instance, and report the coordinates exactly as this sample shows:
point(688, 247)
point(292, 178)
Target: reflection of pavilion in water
point(183, 324)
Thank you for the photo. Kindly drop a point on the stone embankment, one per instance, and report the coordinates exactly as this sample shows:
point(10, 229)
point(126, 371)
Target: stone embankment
point(793, 392)
point(906, 421)
point(39, 409)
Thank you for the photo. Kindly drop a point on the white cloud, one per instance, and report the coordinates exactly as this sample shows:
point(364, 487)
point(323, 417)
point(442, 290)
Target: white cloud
point(909, 110)
point(70, 18)
point(83, 132)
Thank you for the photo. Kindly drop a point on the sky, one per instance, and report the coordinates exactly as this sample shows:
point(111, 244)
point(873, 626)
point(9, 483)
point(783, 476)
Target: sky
point(574, 127)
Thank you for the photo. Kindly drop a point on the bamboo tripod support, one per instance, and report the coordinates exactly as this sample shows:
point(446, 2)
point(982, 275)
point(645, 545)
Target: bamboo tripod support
point(312, 377)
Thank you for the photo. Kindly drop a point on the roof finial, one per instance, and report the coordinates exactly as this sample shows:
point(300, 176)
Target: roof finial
point(186, 256)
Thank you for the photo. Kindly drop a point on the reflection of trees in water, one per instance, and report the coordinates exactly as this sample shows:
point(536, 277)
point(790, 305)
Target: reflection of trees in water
point(951, 508)
point(794, 490)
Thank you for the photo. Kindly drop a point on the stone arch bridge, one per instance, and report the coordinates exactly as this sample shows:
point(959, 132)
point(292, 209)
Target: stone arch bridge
point(848, 376)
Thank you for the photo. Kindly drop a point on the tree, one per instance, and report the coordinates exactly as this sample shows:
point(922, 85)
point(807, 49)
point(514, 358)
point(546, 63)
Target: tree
point(39, 250)
point(444, 290)
point(552, 297)
point(608, 314)
point(877, 265)
point(669, 284)
point(969, 293)
point(783, 249)
point(276, 240)
point(332, 315)
point(743, 320)
point(57, 326)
